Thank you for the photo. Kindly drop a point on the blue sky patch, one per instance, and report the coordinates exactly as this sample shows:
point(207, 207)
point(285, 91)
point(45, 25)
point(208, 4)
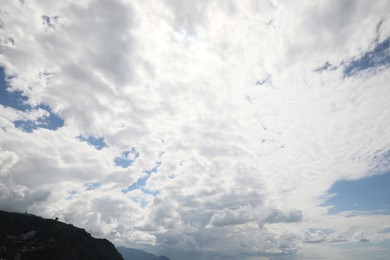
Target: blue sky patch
point(370, 195)
point(381, 161)
point(26, 126)
point(141, 201)
point(96, 142)
point(92, 186)
point(140, 184)
point(127, 158)
point(71, 194)
point(52, 122)
point(14, 99)
point(326, 66)
point(18, 101)
point(379, 56)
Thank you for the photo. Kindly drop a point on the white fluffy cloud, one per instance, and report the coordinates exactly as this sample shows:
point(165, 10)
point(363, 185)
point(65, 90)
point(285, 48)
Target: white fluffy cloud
point(239, 112)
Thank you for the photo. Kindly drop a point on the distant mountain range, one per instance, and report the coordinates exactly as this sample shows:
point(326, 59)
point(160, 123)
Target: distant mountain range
point(136, 254)
point(29, 237)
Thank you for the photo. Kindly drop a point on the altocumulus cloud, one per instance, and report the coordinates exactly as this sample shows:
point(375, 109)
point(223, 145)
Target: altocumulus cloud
point(196, 129)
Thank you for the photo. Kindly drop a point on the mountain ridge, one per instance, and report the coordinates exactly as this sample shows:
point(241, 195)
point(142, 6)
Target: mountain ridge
point(30, 237)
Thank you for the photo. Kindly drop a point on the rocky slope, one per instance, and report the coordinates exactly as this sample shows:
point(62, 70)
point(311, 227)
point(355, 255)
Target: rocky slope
point(28, 237)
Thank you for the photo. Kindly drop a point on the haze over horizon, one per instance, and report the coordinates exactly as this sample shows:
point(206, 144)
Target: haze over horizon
point(254, 129)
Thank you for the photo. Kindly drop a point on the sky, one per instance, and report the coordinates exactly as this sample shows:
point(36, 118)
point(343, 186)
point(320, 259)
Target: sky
point(215, 129)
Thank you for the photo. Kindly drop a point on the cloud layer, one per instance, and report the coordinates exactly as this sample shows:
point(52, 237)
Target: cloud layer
point(197, 129)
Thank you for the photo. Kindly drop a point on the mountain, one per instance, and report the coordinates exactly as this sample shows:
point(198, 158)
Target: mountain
point(28, 237)
point(136, 254)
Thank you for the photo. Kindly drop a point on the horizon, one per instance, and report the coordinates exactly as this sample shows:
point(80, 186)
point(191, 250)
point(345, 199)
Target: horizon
point(201, 129)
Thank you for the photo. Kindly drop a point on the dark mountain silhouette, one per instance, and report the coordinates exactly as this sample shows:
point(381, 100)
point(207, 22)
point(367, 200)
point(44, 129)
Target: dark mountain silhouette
point(137, 254)
point(28, 237)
